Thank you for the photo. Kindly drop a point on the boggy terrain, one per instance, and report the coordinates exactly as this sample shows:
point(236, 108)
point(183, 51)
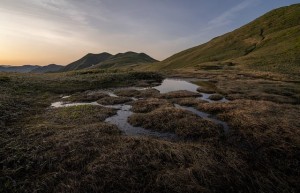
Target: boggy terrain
point(76, 148)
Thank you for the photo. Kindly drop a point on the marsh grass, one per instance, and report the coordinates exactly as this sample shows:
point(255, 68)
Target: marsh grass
point(190, 101)
point(215, 97)
point(181, 122)
point(145, 93)
point(150, 104)
point(127, 92)
point(46, 150)
point(269, 132)
point(82, 114)
point(180, 94)
point(114, 100)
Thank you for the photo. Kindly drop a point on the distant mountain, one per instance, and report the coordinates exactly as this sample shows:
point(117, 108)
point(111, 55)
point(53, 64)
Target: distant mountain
point(23, 69)
point(87, 61)
point(106, 60)
point(125, 59)
point(48, 68)
point(269, 43)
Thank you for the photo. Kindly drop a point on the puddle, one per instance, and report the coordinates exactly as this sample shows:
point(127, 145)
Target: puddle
point(65, 97)
point(124, 110)
point(120, 120)
point(63, 104)
point(206, 116)
point(169, 85)
point(206, 96)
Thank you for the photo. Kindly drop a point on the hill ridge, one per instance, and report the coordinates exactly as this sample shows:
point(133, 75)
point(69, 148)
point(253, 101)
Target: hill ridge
point(269, 43)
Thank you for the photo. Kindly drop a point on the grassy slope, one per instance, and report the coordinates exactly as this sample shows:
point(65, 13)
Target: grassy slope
point(269, 43)
point(125, 59)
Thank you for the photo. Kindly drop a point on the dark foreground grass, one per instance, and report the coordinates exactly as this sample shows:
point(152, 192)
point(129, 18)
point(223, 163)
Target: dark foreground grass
point(60, 156)
point(268, 132)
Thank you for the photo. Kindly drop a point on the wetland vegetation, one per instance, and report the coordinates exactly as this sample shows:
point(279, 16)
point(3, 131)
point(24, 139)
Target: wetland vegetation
point(81, 148)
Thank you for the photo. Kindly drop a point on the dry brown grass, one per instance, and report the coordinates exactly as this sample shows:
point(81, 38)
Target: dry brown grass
point(59, 156)
point(215, 97)
point(268, 131)
point(188, 101)
point(127, 92)
point(171, 119)
point(114, 100)
point(138, 93)
point(55, 152)
point(81, 114)
point(151, 92)
point(87, 96)
point(180, 94)
point(150, 104)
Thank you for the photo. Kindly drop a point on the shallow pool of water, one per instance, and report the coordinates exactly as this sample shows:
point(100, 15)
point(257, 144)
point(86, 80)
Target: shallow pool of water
point(63, 104)
point(169, 85)
point(120, 120)
point(124, 110)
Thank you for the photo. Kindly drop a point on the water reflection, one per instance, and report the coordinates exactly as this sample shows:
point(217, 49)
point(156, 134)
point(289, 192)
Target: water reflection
point(169, 85)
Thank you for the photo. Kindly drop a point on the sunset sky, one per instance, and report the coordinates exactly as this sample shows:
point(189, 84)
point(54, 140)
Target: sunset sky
point(60, 31)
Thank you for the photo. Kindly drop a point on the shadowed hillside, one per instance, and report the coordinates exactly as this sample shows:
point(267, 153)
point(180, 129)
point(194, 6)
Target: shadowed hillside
point(22, 69)
point(48, 68)
point(87, 61)
point(269, 43)
point(125, 59)
point(106, 60)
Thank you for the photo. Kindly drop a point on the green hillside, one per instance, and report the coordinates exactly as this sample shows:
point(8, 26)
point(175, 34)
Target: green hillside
point(87, 61)
point(269, 43)
point(125, 59)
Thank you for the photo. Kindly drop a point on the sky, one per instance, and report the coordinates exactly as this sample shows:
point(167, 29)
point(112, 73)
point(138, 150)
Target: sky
point(42, 32)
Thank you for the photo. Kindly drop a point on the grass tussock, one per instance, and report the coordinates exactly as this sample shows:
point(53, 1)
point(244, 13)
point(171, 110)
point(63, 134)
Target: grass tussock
point(215, 97)
point(81, 114)
point(146, 93)
point(150, 104)
point(127, 92)
point(114, 100)
point(188, 101)
point(181, 122)
point(180, 94)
